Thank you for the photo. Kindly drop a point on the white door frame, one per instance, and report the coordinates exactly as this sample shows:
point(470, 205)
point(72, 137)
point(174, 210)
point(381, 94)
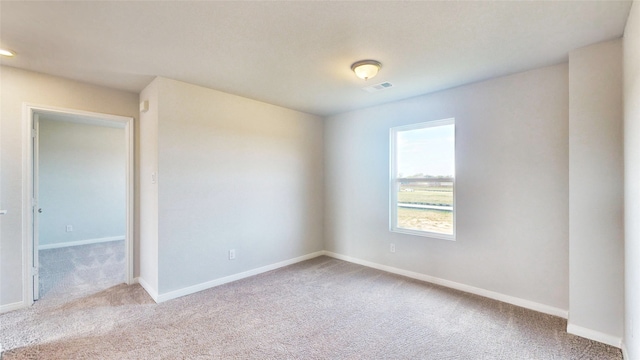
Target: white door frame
point(28, 112)
point(35, 146)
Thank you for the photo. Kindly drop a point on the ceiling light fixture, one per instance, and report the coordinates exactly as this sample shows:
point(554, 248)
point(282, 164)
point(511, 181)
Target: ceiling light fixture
point(7, 53)
point(366, 69)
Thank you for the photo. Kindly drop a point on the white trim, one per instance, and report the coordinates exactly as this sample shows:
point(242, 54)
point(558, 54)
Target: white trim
point(27, 214)
point(35, 167)
point(80, 242)
point(625, 353)
point(424, 233)
point(594, 335)
point(454, 285)
point(148, 288)
point(129, 133)
point(12, 306)
point(227, 279)
point(28, 110)
point(136, 280)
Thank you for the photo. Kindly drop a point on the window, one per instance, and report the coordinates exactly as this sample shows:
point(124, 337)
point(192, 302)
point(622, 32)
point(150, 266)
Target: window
point(422, 179)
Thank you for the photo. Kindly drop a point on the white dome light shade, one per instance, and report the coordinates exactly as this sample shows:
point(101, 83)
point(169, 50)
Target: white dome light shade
point(366, 69)
point(8, 53)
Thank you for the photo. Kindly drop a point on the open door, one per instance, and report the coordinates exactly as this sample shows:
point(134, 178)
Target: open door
point(32, 210)
point(35, 278)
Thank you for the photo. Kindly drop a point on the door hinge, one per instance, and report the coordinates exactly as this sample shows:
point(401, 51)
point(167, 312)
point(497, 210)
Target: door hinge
point(34, 271)
point(34, 132)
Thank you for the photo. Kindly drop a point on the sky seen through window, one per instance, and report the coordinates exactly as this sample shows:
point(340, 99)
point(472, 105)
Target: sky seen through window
point(428, 151)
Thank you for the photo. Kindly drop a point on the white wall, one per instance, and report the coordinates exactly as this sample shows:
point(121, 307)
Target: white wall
point(18, 86)
point(149, 190)
point(233, 173)
point(511, 186)
point(82, 182)
point(596, 218)
point(632, 181)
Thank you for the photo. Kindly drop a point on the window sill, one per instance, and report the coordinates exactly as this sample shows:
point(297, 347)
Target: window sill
point(424, 234)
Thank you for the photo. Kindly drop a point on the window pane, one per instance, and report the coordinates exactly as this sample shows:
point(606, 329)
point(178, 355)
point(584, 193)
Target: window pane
point(424, 173)
point(426, 206)
point(426, 152)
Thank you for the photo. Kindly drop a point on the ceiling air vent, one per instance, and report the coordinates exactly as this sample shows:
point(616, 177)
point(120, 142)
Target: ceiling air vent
point(378, 87)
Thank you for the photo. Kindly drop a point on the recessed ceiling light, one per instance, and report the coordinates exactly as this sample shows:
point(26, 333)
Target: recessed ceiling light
point(5, 52)
point(366, 69)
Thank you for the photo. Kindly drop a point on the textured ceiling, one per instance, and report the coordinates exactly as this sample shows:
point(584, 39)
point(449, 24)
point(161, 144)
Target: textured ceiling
point(298, 54)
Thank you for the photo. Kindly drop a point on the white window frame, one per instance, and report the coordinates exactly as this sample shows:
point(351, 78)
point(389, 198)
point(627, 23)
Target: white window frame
point(394, 183)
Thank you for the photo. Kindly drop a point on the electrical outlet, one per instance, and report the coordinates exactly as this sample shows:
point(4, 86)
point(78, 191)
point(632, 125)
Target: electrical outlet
point(232, 254)
point(392, 247)
point(69, 228)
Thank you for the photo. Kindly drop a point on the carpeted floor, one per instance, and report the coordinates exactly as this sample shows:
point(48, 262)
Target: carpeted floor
point(318, 309)
point(79, 269)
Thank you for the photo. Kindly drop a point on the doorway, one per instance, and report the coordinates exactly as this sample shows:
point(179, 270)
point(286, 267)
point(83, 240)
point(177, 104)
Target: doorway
point(80, 222)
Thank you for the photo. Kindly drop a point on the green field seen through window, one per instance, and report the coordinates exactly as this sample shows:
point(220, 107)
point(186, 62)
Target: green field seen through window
point(426, 195)
point(424, 219)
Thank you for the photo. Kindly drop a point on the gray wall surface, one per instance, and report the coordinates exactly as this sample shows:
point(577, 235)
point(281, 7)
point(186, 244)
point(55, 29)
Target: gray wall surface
point(632, 181)
point(511, 186)
point(596, 195)
point(233, 173)
point(82, 182)
point(148, 254)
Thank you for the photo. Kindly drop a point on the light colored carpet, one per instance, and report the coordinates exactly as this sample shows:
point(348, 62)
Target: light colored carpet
point(80, 269)
point(318, 309)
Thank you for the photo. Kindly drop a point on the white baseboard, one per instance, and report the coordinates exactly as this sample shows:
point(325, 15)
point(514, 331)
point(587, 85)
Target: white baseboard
point(594, 335)
point(454, 285)
point(625, 354)
point(80, 242)
point(12, 307)
point(227, 279)
point(148, 288)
